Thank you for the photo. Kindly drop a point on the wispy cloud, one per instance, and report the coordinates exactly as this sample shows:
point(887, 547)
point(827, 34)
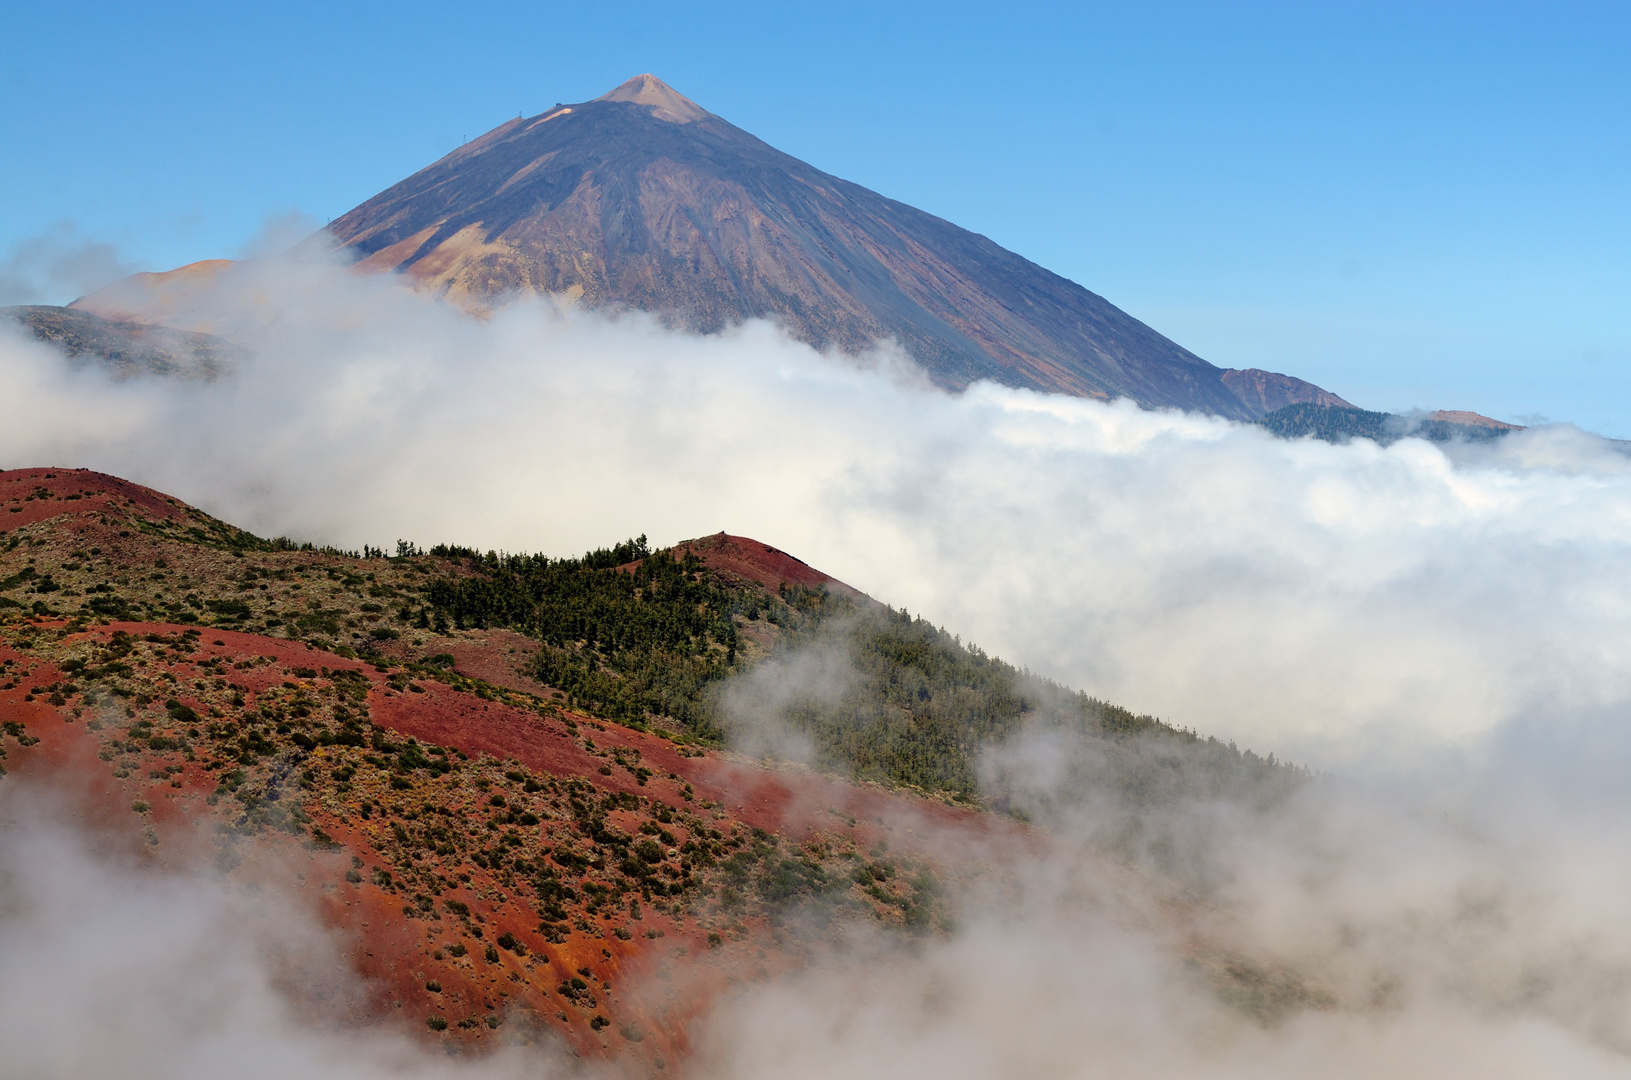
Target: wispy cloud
point(57, 266)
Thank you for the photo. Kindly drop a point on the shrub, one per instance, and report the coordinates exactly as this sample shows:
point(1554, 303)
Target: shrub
point(140, 807)
point(491, 954)
point(181, 714)
point(436, 1023)
point(433, 986)
point(457, 948)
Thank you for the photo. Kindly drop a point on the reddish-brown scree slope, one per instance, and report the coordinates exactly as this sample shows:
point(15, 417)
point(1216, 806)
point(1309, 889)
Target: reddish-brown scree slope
point(503, 867)
point(772, 568)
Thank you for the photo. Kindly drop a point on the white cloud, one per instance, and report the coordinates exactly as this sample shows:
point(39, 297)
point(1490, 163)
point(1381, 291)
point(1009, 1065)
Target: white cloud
point(57, 266)
point(1451, 618)
point(1317, 600)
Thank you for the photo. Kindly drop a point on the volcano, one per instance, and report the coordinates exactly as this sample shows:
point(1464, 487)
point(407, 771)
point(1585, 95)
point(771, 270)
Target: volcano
point(643, 199)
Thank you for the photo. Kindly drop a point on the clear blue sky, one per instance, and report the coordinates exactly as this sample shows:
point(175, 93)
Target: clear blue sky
point(1411, 204)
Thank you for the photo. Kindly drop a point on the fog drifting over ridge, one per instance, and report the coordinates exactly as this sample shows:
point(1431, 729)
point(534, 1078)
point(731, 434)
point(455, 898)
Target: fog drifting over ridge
point(1449, 617)
point(1489, 946)
point(109, 967)
point(1316, 600)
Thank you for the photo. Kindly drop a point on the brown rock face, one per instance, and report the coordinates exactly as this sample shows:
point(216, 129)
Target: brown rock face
point(1472, 419)
point(154, 298)
point(643, 199)
point(1265, 391)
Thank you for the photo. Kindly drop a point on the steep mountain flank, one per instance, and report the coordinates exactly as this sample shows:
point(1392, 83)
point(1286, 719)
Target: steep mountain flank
point(643, 199)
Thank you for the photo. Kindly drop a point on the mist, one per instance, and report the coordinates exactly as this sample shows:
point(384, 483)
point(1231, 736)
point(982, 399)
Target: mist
point(1322, 601)
point(57, 265)
point(1440, 626)
point(111, 965)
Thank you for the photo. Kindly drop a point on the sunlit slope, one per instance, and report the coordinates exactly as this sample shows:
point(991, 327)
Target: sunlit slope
point(501, 779)
point(643, 199)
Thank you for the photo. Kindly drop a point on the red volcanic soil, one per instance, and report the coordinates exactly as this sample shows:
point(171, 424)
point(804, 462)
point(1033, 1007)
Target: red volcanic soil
point(761, 564)
point(501, 657)
point(652, 968)
point(652, 985)
point(791, 803)
point(31, 495)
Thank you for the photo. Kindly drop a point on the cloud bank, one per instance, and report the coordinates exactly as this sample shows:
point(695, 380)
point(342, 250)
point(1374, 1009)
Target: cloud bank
point(1443, 622)
point(1294, 596)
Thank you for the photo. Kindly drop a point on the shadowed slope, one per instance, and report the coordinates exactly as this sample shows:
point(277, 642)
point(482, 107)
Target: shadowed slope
point(128, 348)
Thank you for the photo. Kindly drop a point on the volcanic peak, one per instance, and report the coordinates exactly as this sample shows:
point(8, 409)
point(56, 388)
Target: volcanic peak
point(666, 102)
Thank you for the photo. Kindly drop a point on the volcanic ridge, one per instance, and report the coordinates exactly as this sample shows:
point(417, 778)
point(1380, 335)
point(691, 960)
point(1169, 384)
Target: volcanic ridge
point(502, 780)
point(643, 199)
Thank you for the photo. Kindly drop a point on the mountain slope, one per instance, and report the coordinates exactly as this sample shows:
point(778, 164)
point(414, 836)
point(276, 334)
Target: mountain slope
point(1343, 423)
point(128, 348)
point(1267, 391)
point(504, 864)
point(154, 297)
point(641, 198)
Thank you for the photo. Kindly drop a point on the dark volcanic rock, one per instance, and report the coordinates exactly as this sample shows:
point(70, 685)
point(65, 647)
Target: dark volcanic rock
point(643, 199)
point(127, 348)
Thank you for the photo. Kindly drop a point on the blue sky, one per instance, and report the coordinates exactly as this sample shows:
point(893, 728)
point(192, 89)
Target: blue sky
point(1414, 205)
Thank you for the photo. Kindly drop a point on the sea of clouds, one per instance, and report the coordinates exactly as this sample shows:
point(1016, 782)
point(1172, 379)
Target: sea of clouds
point(1314, 600)
point(1440, 627)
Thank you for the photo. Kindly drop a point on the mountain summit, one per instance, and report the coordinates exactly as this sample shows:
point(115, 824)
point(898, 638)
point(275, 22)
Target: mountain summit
point(643, 199)
point(666, 102)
